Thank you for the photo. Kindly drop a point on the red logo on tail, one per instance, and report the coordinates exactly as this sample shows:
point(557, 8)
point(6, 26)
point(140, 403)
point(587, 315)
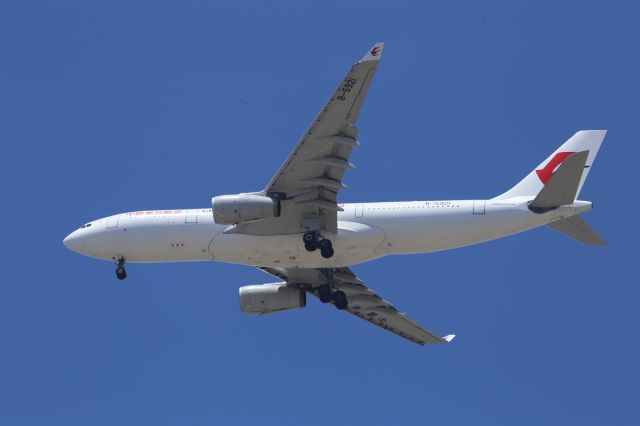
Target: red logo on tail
point(375, 51)
point(545, 173)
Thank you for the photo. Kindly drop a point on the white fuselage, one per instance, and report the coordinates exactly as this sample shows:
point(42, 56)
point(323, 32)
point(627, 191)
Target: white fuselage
point(365, 231)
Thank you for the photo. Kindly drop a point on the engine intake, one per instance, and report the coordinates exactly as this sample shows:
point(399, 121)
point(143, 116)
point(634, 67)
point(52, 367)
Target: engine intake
point(267, 298)
point(233, 209)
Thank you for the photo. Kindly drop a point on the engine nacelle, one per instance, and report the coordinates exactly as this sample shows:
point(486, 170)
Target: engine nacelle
point(266, 298)
point(232, 209)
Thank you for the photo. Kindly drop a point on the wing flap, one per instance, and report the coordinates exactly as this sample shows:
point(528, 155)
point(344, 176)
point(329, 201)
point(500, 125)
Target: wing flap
point(321, 156)
point(369, 306)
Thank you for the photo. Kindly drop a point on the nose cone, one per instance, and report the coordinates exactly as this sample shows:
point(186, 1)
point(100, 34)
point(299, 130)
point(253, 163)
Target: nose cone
point(72, 242)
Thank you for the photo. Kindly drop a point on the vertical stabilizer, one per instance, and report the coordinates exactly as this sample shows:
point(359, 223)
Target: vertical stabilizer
point(562, 187)
point(532, 184)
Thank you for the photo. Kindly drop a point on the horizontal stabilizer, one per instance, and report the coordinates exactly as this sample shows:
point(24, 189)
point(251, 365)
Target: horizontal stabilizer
point(562, 187)
point(575, 227)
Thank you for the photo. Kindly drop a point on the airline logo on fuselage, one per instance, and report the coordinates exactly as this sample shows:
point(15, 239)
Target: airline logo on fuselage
point(547, 171)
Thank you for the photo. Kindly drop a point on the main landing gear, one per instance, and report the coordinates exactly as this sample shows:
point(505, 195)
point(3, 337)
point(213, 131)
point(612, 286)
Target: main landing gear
point(338, 297)
point(121, 273)
point(313, 241)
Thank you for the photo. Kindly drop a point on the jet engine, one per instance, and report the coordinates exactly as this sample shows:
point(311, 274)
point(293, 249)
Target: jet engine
point(233, 209)
point(267, 298)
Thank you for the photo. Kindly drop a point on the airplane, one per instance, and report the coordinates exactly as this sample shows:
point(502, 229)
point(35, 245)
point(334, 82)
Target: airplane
point(296, 231)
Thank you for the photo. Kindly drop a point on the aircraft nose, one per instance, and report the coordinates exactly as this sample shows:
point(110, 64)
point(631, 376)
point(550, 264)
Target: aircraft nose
point(72, 241)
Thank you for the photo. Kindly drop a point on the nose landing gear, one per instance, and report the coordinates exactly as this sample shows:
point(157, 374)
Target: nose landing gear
point(121, 273)
point(313, 241)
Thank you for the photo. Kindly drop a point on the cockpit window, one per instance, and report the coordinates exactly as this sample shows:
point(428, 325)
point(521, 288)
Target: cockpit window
point(85, 226)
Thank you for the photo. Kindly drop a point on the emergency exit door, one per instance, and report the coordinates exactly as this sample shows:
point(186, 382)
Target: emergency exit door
point(192, 216)
point(112, 222)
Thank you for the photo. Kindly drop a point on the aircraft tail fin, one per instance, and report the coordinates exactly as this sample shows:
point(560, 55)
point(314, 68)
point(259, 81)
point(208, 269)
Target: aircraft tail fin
point(562, 187)
point(588, 141)
point(575, 227)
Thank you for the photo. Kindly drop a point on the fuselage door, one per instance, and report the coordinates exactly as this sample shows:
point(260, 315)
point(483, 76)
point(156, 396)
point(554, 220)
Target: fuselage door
point(479, 206)
point(359, 210)
point(192, 216)
point(112, 222)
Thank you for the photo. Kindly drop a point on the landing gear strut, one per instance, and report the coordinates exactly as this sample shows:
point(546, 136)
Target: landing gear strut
point(313, 241)
point(121, 273)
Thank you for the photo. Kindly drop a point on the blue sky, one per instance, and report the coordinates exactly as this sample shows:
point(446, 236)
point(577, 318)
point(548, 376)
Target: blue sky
point(118, 106)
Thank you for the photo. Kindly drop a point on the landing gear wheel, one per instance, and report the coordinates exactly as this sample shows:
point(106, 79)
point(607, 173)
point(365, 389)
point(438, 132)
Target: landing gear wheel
point(327, 253)
point(121, 273)
point(325, 244)
point(326, 248)
point(310, 246)
point(324, 293)
point(340, 300)
point(308, 237)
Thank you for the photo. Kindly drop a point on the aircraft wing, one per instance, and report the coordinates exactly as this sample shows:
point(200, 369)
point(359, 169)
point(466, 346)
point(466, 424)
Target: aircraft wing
point(308, 181)
point(362, 302)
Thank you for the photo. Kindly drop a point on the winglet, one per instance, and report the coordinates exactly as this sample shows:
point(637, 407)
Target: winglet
point(374, 54)
point(448, 338)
